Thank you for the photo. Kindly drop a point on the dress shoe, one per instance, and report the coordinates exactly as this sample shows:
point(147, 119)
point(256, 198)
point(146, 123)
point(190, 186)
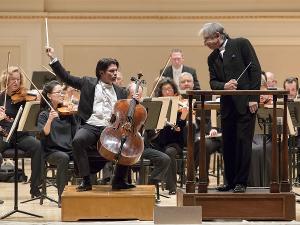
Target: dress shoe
point(35, 193)
point(118, 186)
point(1, 201)
point(224, 187)
point(172, 192)
point(84, 187)
point(239, 188)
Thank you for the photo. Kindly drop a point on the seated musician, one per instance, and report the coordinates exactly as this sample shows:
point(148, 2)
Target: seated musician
point(291, 84)
point(212, 144)
point(170, 139)
point(260, 168)
point(14, 81)
point(57, 131)
point(98, 96)
point(159, 159)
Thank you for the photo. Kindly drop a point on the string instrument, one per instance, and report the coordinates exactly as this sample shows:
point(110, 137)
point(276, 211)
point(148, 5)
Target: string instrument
point(22, 94)
point(121, 142)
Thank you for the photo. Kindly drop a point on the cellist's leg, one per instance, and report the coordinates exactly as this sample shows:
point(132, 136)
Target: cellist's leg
point(84, 138)
point(119, 179)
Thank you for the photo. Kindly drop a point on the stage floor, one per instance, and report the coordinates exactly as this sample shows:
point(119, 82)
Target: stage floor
point(52, 214)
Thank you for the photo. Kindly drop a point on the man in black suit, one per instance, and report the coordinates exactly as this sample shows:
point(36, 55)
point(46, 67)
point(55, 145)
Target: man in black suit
point(98, 96)
point(177, 68)
point(229, 58)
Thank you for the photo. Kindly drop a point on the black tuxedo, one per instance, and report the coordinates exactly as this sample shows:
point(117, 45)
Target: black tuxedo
point(237, 121)
point(169, 73)
point(87, 136)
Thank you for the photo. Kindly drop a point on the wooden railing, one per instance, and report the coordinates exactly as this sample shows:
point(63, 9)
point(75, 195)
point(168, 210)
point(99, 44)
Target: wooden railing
point(276, 186)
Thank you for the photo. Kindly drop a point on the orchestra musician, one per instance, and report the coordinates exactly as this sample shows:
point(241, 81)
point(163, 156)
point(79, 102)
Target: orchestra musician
point(212, 143)
point(233, 65)
point(159, 159)
point(98, 96)
point(51, 125)
point(260, 168)
point(25, 141)
point(170, 139)
point(173, 71)
point(291, 84)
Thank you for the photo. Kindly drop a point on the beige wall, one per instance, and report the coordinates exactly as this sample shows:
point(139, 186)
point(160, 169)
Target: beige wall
point(140, 35)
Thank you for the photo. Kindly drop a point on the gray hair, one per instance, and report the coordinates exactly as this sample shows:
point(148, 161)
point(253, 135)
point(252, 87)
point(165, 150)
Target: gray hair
point(186, 74)
point(210, 29)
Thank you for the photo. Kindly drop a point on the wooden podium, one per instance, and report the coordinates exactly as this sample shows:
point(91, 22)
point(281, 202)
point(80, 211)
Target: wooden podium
point(277, 203)
point(103, 203)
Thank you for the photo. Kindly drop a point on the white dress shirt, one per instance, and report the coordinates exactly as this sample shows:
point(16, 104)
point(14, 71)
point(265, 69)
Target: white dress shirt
point(104, 101)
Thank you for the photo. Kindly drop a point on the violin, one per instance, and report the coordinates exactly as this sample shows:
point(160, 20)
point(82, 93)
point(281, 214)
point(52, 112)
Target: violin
point(22, 94)
point(66, 111)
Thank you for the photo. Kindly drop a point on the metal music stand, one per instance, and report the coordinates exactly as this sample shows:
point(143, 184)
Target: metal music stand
point(264, 126)
point(28, 123)
point(21, 117)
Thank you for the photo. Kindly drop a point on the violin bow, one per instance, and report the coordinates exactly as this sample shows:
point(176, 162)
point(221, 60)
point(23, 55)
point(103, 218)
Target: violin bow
point(48, 70)
point(154, 88)
point(7, 75)
point(47, 36)
point(23, 72)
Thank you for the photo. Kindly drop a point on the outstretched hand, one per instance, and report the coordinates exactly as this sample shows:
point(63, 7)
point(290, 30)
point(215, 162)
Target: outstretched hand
point(50, 52)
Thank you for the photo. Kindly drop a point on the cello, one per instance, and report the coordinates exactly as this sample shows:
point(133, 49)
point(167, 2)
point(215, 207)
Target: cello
point(121, 142)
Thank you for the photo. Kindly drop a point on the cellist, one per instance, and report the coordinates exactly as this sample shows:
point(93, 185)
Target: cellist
point(98, 96)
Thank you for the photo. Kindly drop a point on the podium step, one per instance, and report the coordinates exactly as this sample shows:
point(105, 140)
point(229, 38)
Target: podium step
point(255, 204)
point(103, 203)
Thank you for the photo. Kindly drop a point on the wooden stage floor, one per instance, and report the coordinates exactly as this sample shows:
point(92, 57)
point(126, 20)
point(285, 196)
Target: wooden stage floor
point(52, 214)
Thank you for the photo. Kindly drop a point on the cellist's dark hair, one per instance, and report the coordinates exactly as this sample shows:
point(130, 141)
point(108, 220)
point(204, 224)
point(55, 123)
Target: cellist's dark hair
point(103, 65)
point(47, 89)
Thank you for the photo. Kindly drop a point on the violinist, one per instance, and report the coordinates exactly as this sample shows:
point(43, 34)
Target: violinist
point(98, 96)
point(57, 132)
point(170, 139)
point(13, 80)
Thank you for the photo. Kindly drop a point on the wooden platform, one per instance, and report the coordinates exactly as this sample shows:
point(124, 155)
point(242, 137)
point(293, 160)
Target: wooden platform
point(103, 203)
point(255, 204)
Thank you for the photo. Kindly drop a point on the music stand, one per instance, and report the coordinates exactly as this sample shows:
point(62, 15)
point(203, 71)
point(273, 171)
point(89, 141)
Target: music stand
point(28, 123)
point(263, 126)
point(13, 132)
point(39, 78)
point(157, 110)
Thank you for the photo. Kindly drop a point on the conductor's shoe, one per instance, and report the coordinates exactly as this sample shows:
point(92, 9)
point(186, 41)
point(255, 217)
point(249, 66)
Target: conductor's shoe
point(239, 188)
point(224, 187)
point(84, 187)
point(123, 185)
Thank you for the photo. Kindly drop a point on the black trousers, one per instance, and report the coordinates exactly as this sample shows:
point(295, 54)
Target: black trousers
point(85, 140)
point(160, 161)
point(237, 132)
point(29, 144)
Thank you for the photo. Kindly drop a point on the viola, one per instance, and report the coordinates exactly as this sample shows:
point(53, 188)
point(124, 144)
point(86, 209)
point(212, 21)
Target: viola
point(22, 94)
point(121, 142)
